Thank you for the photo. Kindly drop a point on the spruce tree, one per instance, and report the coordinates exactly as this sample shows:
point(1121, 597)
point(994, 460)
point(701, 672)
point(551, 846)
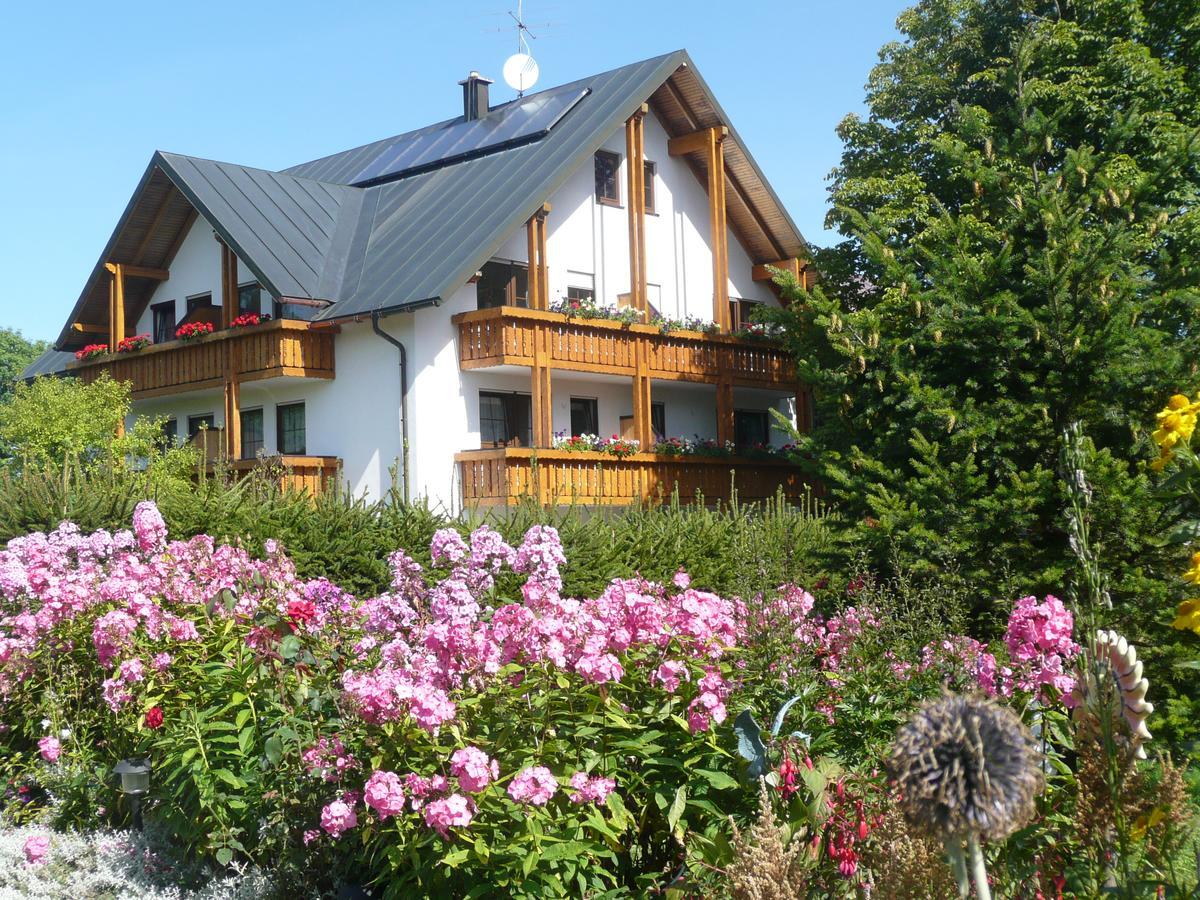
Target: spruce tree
point(1021, 205)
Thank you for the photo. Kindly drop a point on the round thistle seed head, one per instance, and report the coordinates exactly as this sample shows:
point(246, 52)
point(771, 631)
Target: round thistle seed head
point(965, 765)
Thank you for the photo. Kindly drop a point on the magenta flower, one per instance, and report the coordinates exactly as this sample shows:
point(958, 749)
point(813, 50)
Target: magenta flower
point(473, 769)
point(149, 527)
point(534, 786)
point(338, 817)
point(50, 748)
point(455, 811)
point(589, 789)
point(384, 794)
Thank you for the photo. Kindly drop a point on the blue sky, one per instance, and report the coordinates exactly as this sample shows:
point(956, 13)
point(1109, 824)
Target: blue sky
point(89, 90)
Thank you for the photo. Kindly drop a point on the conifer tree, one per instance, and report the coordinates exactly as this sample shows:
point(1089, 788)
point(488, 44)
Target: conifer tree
point(1021, 205)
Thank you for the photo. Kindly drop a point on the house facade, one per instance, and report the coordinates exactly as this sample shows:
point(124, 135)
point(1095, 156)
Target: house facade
point(439, 312)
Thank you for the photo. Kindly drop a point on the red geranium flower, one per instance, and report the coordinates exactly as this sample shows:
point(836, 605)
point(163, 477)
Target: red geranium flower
point(154, 717)
point(301, 611)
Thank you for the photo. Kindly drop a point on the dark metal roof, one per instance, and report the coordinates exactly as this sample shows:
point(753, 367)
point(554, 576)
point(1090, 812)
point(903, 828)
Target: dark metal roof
point(50, 362)
point(413, 217)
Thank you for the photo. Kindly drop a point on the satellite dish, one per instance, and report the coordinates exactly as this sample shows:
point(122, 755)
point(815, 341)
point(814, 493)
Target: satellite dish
point(520, 72)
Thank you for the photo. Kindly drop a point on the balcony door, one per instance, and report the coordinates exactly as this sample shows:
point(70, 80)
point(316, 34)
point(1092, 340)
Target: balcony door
point(505, 420)
point(503, 283)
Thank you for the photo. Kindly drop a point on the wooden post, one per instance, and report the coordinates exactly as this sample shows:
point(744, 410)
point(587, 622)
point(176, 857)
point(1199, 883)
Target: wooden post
point(229, 285)
point(635, 149)
point(804, 421)
point(543, 419)
point(643, 429)
point(725, 430)
point(716, 218)
point(538, 271)
point(116, 306)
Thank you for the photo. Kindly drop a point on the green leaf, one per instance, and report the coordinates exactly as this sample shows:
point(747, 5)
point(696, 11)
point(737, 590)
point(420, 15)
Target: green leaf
point(229, 778)
point(289, 646)
point(224, 856)
point(273, 750)
point(677, 806)
point(719, 780)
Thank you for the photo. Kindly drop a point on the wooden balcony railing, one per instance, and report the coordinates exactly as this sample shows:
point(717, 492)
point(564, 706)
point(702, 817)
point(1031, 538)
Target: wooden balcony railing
point(509, 336)
point(500, 477)
point(309, 474)
point(284, 347)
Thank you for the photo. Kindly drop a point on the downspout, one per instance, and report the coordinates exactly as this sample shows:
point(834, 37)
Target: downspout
point(376, 315)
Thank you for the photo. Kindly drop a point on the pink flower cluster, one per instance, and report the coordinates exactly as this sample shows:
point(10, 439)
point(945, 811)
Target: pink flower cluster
point(1039, 643)
point(328, 759)
point(473, 769)
point(590, 789)
point(960, 655)
point(534, 786)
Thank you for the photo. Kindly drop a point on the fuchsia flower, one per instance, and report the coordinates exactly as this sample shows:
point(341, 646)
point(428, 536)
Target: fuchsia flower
point(534, 785)
point(455, 811)
point(301, 611)
point(473, 769)
point(338, 817)
point(36, 849)
point(384, 794)
point(589, 789)
point(50, 748)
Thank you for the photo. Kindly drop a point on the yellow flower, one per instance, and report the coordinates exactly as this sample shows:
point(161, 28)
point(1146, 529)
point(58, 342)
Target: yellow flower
point(1178, 402)
point(1145, 823)
point(1188, 616)
point(1192, 575)
point(1176, 423)
point(1164, 457)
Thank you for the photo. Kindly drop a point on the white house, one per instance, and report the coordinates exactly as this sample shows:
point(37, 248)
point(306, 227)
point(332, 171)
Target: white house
point(416, 289)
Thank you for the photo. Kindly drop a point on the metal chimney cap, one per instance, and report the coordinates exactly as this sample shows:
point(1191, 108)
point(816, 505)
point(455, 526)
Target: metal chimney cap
point(475, 76)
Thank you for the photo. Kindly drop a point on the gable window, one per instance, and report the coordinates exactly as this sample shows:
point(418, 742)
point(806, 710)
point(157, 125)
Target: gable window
point(164, 321)
point(608, 182)
point(649, 170)
point(252, 433)
point(196, 424)
point(198, 301)
point(504, 419)
point(750, 428)
point(585, 415)
point(289, 424)
point(502, 283)
point(249, 298)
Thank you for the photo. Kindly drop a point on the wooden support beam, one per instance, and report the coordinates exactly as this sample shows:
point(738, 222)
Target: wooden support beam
point(643, 429)
point(715, 152)
point(724, 411)
point(697, 141)
point(543, 263)
point(533, 277)
point(229, 285)
point(86, 328)
point(635, 161)
point(763, 273)
point(116, 305)
point(543, 420)
point(146, 272)
point(804, 406)
point(233, 401)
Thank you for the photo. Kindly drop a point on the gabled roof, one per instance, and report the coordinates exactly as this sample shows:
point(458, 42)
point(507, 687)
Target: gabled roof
point(413, 217)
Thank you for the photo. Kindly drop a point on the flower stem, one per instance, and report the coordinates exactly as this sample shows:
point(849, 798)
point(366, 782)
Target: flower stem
point(958, 866)
point(978, 868)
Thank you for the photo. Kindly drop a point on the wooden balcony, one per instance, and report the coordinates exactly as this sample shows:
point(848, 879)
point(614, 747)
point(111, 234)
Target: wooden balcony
point(280, 348)
point(552, 477)
point(510, 336)
point(304, 474)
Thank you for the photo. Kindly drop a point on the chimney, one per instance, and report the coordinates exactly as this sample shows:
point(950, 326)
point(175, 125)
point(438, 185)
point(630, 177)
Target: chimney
point(475, 96)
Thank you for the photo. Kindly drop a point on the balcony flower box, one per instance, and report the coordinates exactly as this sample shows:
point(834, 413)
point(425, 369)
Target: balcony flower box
point(247, 320)
point(193, 331)
point(92, 351)
point(134, 343)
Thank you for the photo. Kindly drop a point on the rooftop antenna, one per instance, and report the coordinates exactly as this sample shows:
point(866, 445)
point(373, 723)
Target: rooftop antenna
point(521, 69)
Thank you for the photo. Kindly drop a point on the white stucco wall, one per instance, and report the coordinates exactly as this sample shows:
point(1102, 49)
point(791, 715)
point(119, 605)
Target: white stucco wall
point(196, 269)
point(586, 237)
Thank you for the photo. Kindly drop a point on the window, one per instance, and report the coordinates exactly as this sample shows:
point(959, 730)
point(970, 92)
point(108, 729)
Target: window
point(505, 419)
point(608, 182)
point(198, 423)
point(503, 283)
point(169, 438)
point(648, 171)
point(164, 321)
point(585, 416)
point(249, 298)
point(741, 313)
point(658, 420)
point(750, 427)
point(252, 433)
point(194, 303)
point(289, 434)
point(580, 294)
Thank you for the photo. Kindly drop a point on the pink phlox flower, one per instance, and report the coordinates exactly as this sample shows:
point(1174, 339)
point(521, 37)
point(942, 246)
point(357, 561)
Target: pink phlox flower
point(682, 579)
point(384, 793)
point(590, 789)
point(338, 817)
point(473, 769)
point(37, 847)
point(50, 748)
point(455, 811)
point(534, 785)
point(670, 674)
point(447, 547)
point(149, 527)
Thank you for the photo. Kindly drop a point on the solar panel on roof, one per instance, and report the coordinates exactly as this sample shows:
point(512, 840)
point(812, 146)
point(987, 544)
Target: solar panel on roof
point(518, 122)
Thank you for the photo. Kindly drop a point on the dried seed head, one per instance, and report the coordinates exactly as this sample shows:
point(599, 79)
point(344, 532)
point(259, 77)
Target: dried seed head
point(966, 766)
